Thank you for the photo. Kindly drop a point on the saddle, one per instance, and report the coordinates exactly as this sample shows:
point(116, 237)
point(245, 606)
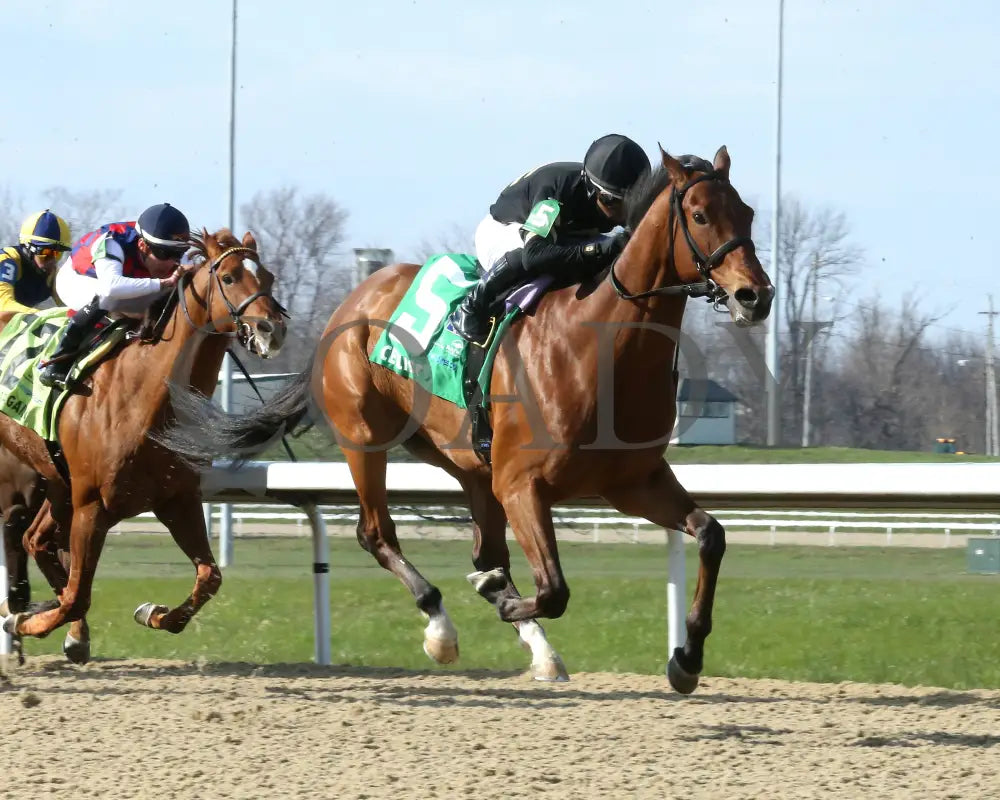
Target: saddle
point(502, 314)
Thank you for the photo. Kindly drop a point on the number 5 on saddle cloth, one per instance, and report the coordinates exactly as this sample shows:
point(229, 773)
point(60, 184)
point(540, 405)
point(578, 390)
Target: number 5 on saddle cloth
point(418, 345)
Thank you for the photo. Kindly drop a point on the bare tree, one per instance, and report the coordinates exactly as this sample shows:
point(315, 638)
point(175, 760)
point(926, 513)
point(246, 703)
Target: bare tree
point(83, 210)
point(815, 259)
point(300, 238)
point(10, 216)
point(87, 210)
point(887, 373)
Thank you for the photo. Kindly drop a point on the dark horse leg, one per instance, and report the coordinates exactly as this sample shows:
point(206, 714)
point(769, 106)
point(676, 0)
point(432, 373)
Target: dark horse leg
point(377, 535)
point(184, 519)
point(491, 558)
point(663, 501)
point(15, 519)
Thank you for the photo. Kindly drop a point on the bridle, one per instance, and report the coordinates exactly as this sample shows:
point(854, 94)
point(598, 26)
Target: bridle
point(235, 312)
point(706, 288)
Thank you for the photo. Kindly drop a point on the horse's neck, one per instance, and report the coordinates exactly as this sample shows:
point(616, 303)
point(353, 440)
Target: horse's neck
point(184, 354)
point(648, 328)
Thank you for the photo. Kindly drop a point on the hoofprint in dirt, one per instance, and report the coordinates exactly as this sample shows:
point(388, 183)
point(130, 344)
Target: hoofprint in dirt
point(171, 729)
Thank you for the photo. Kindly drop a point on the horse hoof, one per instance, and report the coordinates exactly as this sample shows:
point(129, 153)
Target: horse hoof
point(76, 651)
point(441, 650)
point(11, 621)
point(552, 671)
point(144, 613)
point(683, 682)
point(486, 582)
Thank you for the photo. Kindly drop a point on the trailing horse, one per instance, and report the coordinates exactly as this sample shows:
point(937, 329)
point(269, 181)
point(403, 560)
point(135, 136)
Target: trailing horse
point(107, 467)
point(592, 375)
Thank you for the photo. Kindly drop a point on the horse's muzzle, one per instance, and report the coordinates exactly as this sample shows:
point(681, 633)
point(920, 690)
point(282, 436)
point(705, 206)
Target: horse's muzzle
point(748, 306)
point(262, 337)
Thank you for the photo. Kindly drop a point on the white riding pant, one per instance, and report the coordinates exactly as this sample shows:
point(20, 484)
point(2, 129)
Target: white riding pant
point(76, 290)
point(493, 239)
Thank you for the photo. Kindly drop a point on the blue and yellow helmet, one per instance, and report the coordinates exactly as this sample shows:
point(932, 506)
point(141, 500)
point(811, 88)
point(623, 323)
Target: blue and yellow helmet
point(45, 229)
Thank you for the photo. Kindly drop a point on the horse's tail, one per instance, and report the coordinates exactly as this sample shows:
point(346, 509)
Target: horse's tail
point(202, 432)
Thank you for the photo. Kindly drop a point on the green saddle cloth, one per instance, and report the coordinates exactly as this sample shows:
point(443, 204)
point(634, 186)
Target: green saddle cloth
point(427, 350)
point(25, 342)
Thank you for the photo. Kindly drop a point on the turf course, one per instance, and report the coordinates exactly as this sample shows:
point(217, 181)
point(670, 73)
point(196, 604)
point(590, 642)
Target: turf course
point(802, 613)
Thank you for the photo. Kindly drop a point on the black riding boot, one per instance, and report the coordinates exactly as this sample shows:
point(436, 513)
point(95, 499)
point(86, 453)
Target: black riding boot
point(469, 320)
point(80, 326)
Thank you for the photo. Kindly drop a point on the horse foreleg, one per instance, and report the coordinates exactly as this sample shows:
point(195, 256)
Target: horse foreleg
point(184, 519)
point(663, 501)
point(492, 580)
point(42, 542)
point(531, 519)
point(88, 530)
point(377, 535)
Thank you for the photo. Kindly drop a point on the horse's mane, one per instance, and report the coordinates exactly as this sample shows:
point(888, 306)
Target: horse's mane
point(641, 196)
point(158, 315)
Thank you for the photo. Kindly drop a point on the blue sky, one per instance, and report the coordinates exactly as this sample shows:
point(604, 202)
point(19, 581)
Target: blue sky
point(414, 114)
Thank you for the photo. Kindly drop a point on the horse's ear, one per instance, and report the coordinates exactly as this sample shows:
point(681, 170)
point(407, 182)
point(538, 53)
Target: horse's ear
point(677, 173)
point(722, 162)
point(202, 241)
point(249, 241)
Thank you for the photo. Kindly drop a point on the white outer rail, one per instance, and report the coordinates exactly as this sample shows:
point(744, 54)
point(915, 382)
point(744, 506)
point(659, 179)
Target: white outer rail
point(773, 486)
point(938, 486)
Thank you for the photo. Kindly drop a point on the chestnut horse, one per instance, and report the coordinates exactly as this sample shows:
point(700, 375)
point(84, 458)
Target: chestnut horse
point(115, 469)
point(598, 358)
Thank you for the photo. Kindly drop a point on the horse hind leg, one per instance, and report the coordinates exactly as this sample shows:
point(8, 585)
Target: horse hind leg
point(491, 558)
point(377, 535)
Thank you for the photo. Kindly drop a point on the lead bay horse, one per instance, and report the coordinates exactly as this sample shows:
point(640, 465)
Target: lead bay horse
point(115, 469)
point(602, 431)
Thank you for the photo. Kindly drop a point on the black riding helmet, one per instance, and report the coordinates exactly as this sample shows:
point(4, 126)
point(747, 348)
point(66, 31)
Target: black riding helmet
point(164, 226)
point(614, 163)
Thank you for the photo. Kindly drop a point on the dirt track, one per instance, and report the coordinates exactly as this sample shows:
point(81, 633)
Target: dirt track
point(167, 729)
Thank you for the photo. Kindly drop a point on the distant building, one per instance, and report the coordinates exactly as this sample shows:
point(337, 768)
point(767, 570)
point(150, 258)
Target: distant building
point(369, 259)
point(705, 413)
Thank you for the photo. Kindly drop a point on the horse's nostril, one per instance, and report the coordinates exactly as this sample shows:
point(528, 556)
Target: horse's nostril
point(746, 297)
point(263, 326)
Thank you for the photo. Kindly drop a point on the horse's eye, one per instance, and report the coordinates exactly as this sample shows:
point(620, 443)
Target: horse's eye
point(698, 217)
point(227, 279)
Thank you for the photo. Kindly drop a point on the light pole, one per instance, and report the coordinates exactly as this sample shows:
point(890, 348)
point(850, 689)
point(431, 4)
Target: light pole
point(992, 422)
point(226, 399)
point(772, 355)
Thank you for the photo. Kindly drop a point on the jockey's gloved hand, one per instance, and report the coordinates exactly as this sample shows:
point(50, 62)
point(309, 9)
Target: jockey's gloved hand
point(616, 243)
point(602, 252)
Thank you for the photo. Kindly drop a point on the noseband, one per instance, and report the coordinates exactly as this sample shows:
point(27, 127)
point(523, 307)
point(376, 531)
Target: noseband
point(707, 288)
